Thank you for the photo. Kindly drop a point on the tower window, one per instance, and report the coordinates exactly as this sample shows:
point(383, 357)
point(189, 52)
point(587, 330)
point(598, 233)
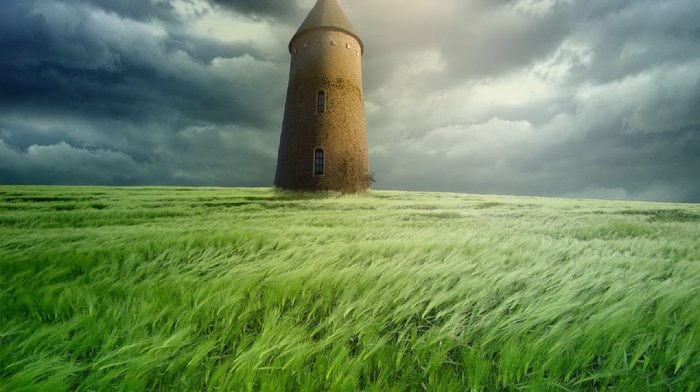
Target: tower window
point(321, 104)
point(318, 162)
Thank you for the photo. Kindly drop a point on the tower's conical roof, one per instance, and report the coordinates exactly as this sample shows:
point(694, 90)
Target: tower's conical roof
point(327, 15)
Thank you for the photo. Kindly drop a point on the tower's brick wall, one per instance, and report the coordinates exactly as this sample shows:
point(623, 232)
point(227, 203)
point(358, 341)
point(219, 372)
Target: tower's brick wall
point(329, 61)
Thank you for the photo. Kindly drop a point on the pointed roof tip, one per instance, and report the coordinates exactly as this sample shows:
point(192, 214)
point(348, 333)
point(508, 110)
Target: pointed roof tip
point(327, 14)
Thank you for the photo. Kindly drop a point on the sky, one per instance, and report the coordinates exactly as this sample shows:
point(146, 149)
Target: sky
point(562, 98)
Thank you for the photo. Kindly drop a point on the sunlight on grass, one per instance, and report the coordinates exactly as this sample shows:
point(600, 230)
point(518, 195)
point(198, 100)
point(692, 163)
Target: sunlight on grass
point(252, 289)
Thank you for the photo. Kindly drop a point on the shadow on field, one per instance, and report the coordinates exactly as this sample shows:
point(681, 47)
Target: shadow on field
point(665, 215)
point(285, 195)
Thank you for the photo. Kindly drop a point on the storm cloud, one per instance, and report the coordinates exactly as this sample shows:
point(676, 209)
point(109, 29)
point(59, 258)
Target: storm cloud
point(575, 98)
point(283, 10)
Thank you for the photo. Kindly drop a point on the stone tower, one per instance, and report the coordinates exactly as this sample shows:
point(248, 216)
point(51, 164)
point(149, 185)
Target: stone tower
point(323, 146)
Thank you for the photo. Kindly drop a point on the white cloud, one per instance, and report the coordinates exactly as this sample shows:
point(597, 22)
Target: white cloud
point(62, 163)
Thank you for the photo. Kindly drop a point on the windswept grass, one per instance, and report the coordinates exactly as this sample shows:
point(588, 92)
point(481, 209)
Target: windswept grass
point(249, 289)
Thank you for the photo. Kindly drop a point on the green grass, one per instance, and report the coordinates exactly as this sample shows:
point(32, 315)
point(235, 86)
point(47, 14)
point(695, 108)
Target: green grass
point(199, 289)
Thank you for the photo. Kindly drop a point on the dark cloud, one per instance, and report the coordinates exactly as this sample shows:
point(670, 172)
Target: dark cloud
point(73, 64)
point(167, 10)
point(643, 166)
point(23, 33)
point(88, 97)
point(578, 98)
point(119, 155)
point(281, 10)
point(631, 37)
point(573, 98)
point(142, 10)
point(503, 40)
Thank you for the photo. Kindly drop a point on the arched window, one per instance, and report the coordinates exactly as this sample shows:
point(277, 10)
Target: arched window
point(318, 162)
point(321, 102)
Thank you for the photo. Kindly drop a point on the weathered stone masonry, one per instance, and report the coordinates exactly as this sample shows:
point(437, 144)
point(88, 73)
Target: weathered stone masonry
point(326, 56)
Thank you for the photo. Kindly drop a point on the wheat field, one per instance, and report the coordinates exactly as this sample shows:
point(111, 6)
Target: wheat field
point(231, 289)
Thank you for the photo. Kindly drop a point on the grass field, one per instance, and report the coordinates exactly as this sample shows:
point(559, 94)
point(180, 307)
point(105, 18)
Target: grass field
point(199, 289)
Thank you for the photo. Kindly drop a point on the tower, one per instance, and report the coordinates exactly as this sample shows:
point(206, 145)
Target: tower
point(323, 145)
